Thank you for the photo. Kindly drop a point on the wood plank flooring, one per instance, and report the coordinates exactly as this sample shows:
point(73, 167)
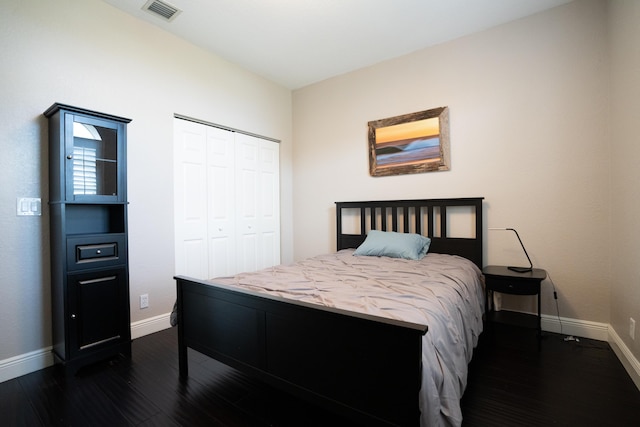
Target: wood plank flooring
point(511, 383)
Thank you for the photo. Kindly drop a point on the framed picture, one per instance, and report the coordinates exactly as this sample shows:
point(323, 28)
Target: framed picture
point(411, 143)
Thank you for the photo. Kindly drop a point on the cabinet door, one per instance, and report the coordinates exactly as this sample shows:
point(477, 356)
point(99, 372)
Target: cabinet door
point(94, 159)
point(98, 310)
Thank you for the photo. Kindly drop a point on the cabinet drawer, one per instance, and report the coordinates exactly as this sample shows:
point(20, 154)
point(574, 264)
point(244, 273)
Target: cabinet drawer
point(92, 252)
point(513, 286)
point(96, 251)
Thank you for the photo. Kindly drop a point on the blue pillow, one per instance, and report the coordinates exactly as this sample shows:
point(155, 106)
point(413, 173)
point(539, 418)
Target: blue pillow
point(395, 245)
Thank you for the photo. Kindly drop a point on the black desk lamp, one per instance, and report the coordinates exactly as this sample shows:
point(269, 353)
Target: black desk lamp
point(518, 269)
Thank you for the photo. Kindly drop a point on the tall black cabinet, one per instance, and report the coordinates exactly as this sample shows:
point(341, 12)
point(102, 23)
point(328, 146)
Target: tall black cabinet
point(88, 212)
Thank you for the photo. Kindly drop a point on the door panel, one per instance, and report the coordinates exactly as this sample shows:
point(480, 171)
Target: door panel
point(247, 205)
point(221, 202)
point(269, 219)
point(190, 199)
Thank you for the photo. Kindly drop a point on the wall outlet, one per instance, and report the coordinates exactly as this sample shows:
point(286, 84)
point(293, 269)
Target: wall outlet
point(144, 300)
point(632, 328)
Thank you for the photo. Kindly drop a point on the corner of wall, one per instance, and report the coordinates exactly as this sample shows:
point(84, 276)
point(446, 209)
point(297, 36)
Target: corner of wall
point(628, 360)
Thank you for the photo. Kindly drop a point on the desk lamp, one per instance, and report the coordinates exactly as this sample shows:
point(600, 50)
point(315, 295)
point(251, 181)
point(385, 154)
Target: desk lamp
point(518, 269)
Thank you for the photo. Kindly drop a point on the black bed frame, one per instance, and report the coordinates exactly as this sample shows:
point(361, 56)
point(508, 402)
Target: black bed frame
point(361, 366)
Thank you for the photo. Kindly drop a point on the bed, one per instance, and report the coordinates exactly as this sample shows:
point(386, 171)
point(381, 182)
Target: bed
point(378, 366)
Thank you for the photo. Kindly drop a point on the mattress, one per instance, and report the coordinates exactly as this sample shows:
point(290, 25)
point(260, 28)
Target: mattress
point(444, 292)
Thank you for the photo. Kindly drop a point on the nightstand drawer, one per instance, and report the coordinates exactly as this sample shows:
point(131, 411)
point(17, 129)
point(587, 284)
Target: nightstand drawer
point(512, 286)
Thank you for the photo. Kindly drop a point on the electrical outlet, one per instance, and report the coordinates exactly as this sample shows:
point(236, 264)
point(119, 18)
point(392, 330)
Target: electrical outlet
point(632, 328)
point(144, 300)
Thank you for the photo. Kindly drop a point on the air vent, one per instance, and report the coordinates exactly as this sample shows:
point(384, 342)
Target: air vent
point(162, 9)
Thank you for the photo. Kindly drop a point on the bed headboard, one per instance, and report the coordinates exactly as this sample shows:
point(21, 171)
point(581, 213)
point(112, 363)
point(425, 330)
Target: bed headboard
point(428, 217)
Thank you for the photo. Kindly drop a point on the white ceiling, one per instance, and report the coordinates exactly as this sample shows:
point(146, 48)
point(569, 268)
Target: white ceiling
point(299, 42)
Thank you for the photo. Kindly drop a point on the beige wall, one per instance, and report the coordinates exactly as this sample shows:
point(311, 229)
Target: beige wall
point(529, 131)
point(89, 54)
point(625, 169)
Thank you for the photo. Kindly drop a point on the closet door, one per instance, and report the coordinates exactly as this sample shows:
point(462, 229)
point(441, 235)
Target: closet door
point(204, 200)
point(257, 202)
point(221, 202)
point(269, 181)
point(247, 203)
point(227, 201)
point(190, 199)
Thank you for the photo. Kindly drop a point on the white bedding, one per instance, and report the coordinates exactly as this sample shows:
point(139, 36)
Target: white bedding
point(444, 292)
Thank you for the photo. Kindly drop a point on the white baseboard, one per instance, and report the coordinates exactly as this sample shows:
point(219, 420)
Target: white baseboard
point(27, 363)
point(630, 363)
point(151, 325)
point(579, 328)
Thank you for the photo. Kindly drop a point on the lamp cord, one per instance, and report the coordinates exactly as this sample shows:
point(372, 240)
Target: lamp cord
point(555, 297)
point(570, 338)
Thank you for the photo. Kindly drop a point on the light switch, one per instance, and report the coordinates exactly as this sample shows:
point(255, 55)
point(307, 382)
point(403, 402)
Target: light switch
point(28, 206)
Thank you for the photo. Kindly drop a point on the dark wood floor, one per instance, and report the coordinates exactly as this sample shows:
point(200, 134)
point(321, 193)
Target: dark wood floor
point(511, 383)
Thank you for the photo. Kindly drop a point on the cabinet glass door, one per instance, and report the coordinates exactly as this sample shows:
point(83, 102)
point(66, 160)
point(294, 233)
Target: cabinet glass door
point(92, 168)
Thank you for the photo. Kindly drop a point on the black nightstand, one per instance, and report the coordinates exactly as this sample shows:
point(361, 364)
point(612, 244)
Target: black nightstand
point(499, 278)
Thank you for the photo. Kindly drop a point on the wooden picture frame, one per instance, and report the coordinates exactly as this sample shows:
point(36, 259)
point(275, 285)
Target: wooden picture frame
point(411, 143)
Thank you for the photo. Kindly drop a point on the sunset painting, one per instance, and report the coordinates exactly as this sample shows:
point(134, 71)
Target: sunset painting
point(411, 143)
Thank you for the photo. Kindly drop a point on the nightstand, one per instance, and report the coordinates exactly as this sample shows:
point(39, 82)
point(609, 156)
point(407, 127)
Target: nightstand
point(499, 278)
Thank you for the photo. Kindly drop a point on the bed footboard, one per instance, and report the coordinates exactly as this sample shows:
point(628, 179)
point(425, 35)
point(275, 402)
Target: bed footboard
point(361, 366)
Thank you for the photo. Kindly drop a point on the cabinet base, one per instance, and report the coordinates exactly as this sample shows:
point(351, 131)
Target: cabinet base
point(72, 366)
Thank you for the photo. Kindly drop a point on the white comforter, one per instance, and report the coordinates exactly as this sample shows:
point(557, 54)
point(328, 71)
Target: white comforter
point(444, 292)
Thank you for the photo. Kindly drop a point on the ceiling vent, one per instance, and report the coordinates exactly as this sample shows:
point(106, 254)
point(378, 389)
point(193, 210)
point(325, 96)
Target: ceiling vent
point(162, 9)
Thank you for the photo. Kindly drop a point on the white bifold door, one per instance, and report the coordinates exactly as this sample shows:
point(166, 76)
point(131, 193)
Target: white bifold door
point(227, 201)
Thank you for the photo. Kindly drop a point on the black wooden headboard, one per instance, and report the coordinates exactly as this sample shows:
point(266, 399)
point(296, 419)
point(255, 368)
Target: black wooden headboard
point(427, 217)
